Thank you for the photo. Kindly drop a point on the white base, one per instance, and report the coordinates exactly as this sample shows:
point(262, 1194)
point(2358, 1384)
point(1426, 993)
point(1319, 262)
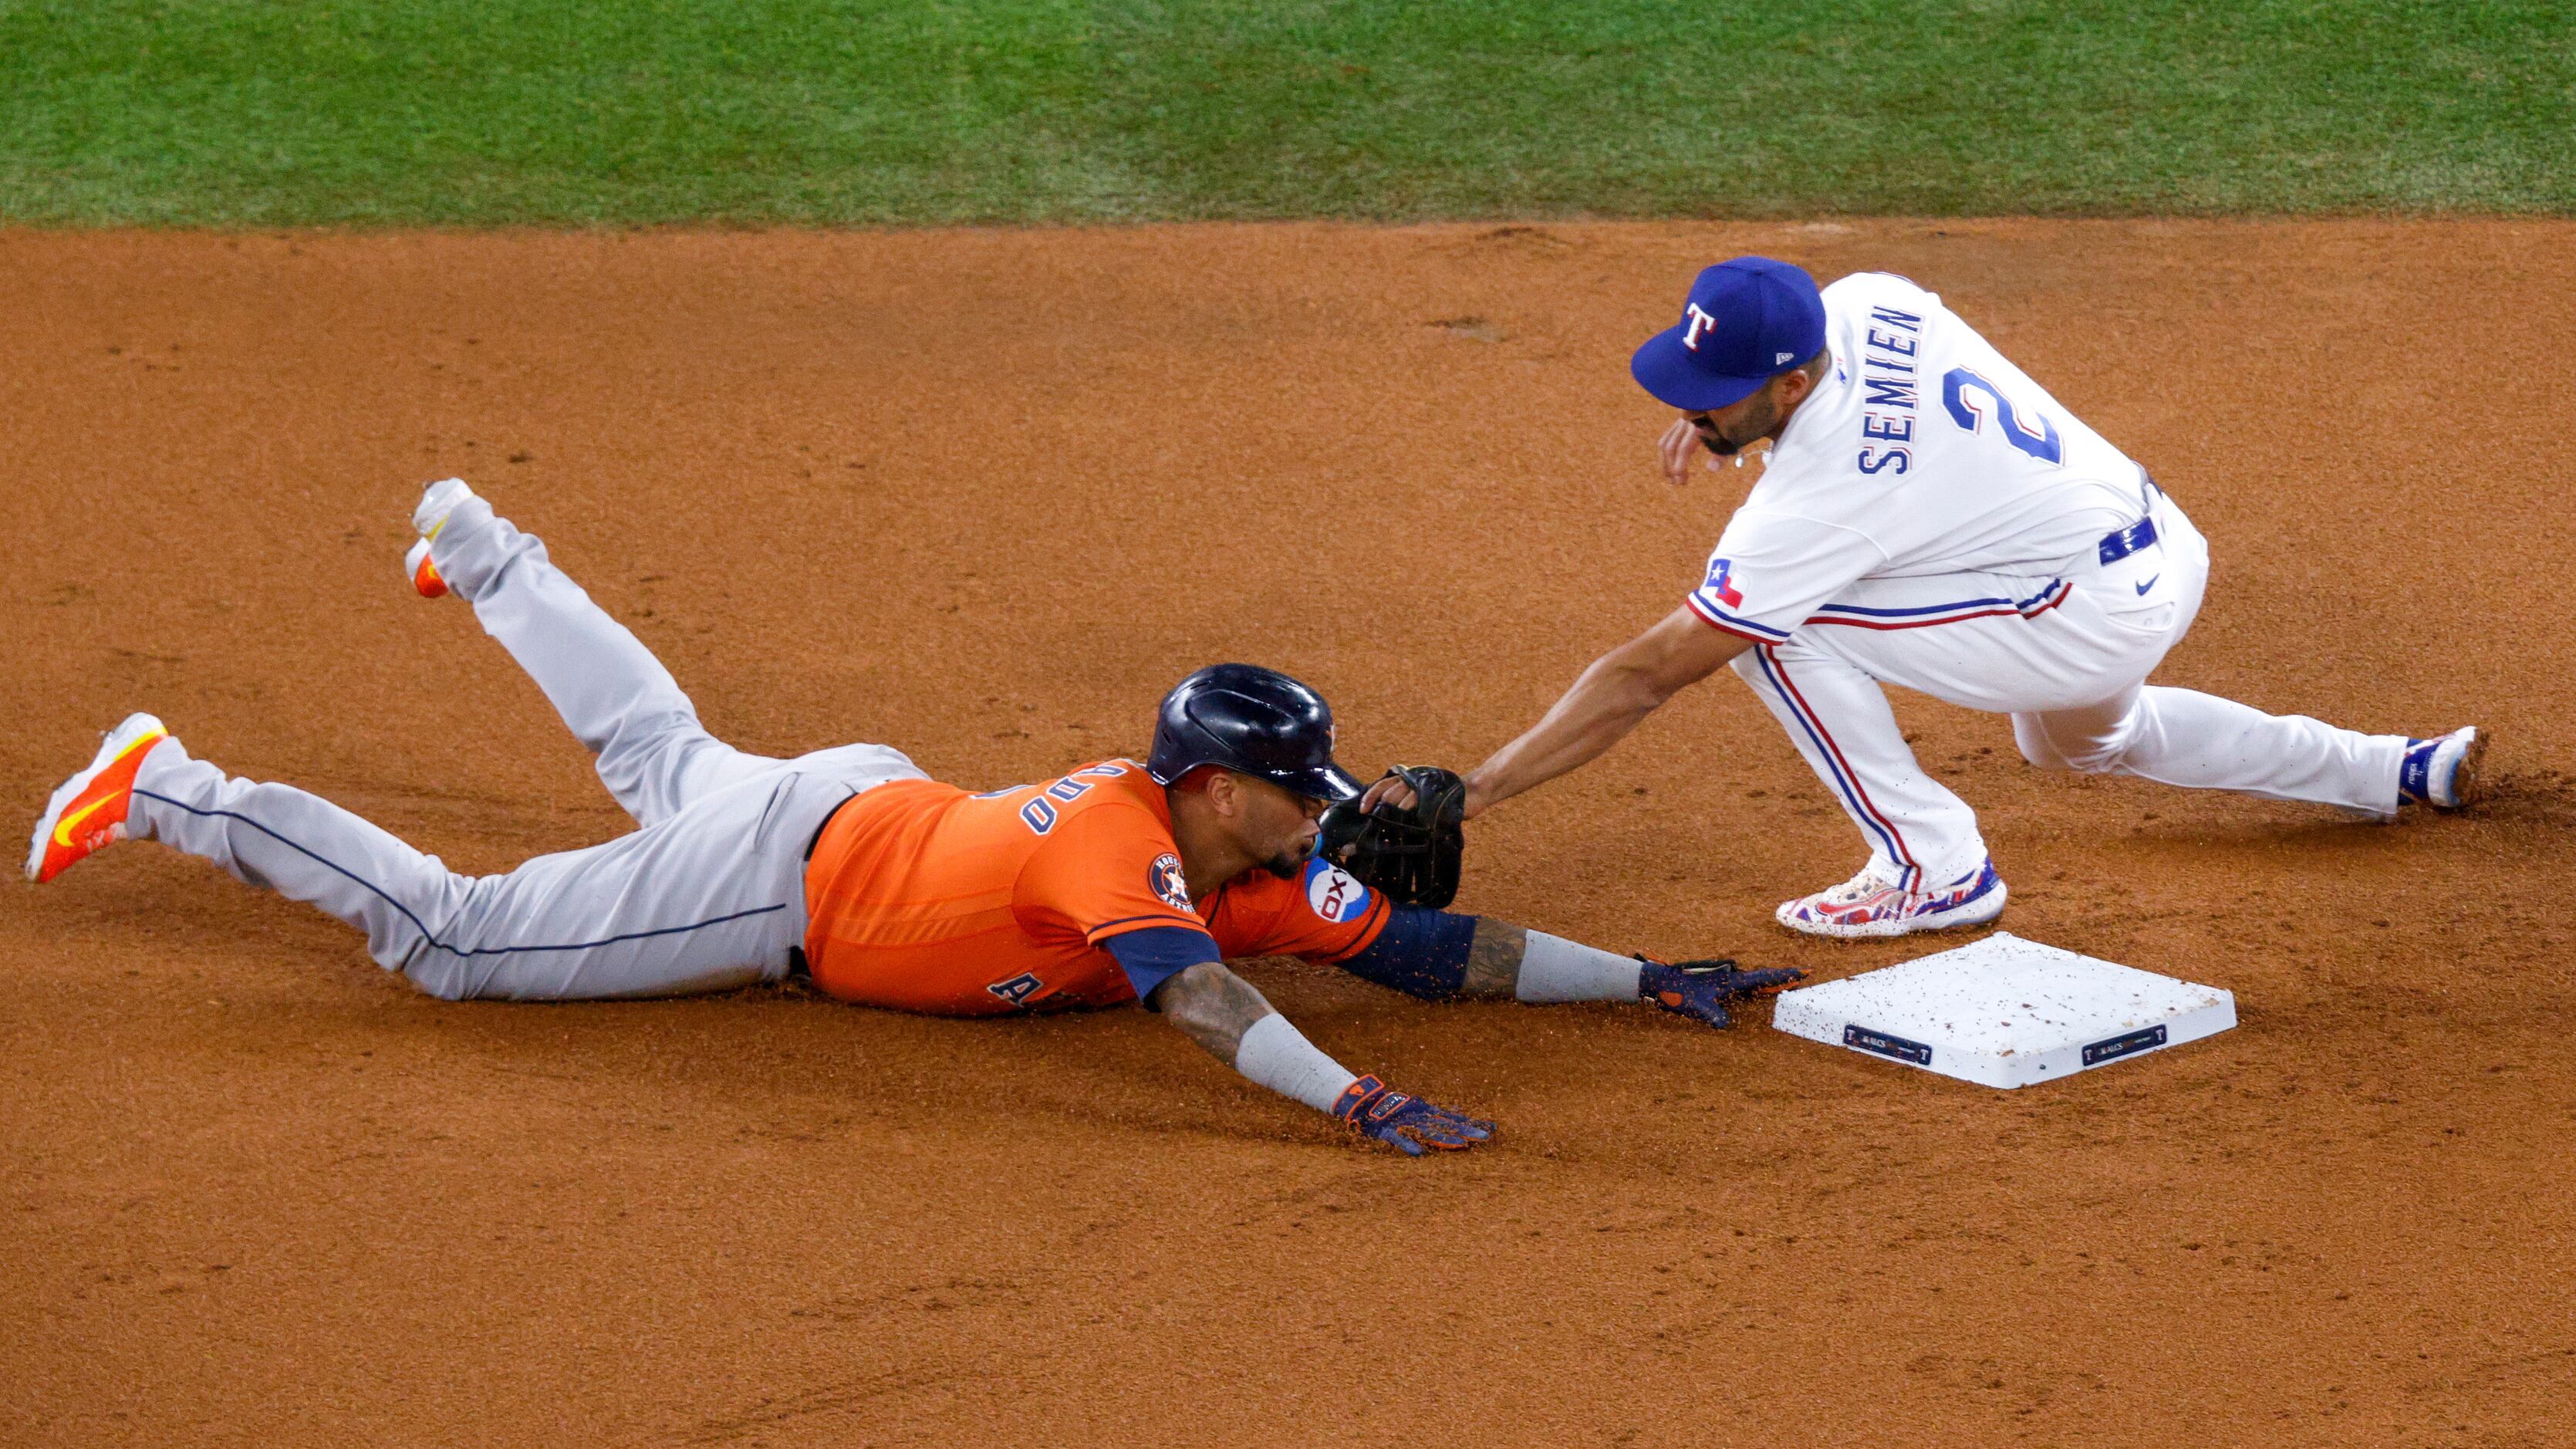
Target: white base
point(2005, 1012)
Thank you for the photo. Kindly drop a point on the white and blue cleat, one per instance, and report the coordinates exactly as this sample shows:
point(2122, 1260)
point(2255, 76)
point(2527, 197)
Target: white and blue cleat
point(2446, 772)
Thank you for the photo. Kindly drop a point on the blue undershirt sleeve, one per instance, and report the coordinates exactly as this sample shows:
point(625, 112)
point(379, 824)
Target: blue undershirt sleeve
point(1418, 952)
point(1156, 954)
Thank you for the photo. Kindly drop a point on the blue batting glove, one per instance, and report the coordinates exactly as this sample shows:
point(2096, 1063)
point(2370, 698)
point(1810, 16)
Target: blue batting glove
point(1408, 1123)
point(1701, 989)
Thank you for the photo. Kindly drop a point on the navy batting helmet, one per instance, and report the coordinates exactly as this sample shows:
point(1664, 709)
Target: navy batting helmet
point(1253, 721)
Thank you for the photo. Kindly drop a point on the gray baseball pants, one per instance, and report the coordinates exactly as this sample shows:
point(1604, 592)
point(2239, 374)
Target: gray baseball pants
point(707, 895)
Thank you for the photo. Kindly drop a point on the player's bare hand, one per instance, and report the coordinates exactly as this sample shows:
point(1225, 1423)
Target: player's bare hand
point(1407, 1123)
point(1678, 446)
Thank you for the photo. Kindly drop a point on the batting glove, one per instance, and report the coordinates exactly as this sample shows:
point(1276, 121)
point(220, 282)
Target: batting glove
point(1408, 1123)
point(1701, 989)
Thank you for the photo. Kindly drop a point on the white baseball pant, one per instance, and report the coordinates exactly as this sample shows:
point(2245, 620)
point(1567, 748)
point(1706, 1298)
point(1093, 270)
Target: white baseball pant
point(2067, 657)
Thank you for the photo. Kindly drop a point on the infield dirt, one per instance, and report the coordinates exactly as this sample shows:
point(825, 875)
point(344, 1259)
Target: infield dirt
point(985, 495)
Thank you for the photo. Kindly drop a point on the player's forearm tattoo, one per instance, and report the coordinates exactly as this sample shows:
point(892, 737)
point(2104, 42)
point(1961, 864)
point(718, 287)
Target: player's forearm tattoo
point(1494, 959)
point(1212, 1006)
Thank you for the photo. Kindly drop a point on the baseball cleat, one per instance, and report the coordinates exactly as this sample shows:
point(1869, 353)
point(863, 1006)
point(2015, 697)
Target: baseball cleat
point(88, 812)
point(437, 501)
point(2446, 771)
point(1869, 904)
point(424, 574)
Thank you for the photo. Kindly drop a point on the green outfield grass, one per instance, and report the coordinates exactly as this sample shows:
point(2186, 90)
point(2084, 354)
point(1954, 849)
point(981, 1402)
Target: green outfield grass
point(867, 111)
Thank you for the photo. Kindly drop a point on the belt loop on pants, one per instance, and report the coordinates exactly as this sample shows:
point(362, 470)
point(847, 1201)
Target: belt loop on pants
point(2119, 543)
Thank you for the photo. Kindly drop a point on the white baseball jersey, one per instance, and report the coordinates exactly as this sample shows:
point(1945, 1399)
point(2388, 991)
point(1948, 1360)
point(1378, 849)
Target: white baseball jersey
point(1931, 518)
point(1923, 452)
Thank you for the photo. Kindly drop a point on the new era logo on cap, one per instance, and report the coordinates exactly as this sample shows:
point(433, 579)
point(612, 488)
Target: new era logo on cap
point(1745, 322)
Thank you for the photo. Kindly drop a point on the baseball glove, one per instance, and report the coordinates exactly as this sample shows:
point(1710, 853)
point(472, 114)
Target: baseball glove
point(1411, 853)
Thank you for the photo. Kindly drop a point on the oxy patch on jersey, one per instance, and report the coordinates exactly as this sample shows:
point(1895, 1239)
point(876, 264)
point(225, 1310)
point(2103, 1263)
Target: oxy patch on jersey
point(1334, 893)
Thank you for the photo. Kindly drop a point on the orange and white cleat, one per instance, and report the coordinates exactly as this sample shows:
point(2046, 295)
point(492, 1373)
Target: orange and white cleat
point(424, 574)
point(436, 502)
point(89, 811)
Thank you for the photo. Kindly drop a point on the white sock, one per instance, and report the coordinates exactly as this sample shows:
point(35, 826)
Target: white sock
point(1279, 1057)
point(1555, 969)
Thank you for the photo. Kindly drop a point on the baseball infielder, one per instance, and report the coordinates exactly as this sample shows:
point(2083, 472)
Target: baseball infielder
point(1116, 881)
point(1930, 517)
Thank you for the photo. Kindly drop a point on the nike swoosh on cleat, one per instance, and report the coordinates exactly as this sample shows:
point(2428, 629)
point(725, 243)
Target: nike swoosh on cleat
point(63, 832)
point(2149, 584)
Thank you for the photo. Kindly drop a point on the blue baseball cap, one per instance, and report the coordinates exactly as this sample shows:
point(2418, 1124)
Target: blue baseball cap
point(1747, 321)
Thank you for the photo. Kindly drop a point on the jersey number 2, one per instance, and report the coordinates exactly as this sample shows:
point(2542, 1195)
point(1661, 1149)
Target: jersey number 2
point(1960, 391)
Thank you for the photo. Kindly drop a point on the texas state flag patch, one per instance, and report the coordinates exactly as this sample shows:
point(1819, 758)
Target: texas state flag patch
point(1720, 587)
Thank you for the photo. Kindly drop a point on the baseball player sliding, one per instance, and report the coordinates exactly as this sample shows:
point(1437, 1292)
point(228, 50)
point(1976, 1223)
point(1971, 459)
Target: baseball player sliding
point(1930, 517)
point(1115, 881)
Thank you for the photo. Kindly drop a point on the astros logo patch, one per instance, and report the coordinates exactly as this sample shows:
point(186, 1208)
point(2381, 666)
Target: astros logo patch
point(1164, 875)
point(1333, 893)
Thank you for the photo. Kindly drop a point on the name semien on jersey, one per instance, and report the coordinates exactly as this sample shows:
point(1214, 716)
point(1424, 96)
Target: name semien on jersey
point(1888, 384)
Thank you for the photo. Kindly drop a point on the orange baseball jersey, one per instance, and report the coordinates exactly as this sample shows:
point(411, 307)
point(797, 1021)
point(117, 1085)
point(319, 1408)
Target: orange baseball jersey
point(923, 897)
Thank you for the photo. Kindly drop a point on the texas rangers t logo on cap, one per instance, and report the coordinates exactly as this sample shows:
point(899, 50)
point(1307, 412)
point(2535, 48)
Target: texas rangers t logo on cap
point(1694, 322)
point(1745, 322)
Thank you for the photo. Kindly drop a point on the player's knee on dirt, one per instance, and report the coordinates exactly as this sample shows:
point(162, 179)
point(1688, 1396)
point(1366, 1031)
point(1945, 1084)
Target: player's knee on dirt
point(441, 975)
point(431, 971)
